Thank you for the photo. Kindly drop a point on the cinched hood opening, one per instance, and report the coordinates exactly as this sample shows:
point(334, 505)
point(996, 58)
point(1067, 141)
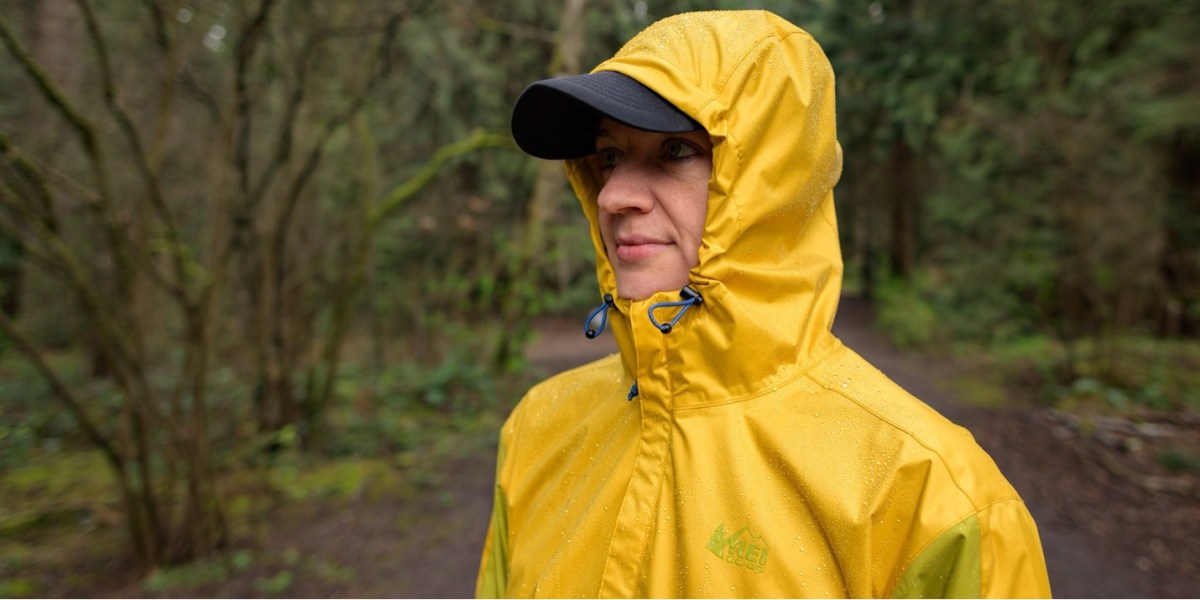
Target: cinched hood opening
point(770, 265)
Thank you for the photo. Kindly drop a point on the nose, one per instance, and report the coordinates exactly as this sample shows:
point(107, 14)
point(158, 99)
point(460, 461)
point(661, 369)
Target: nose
point(627, 189)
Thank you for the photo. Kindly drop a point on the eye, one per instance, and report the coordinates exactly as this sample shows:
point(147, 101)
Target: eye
point(608, 157)
point(676, 149)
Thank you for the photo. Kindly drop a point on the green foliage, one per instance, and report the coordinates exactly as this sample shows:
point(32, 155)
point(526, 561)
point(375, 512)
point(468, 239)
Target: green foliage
point(211, 573)
point(1122, 376)
point(53, 477)
point(1057, 226)
point(276, 585)
point(981, 389)
point(17, 588)
point(1086, 388)
point(905, 317)
point(197, 574)
point(1048, 140)
point(31, 423)
point(341, 479)
point(455, 384)
point(382, 430)
point(17, 443)
point(268, 575)
point(408, 408)
point(1179, 460)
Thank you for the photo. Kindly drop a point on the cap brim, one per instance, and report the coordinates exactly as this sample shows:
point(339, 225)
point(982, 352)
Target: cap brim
point(557, 118)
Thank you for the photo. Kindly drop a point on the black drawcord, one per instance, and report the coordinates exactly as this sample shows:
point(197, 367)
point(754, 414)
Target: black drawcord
point(600, 311)
point(690, 298)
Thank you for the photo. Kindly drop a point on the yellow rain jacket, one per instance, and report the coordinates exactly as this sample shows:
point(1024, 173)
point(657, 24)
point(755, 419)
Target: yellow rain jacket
point(760, 456)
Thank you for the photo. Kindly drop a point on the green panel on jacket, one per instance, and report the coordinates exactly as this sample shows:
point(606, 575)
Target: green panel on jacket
point(947, 568)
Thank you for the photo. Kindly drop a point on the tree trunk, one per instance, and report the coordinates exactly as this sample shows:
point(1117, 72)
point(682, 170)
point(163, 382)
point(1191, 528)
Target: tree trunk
point(12, 276)
point(543, 202)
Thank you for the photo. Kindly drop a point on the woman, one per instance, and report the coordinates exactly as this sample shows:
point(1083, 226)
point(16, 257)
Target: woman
point(734, 446)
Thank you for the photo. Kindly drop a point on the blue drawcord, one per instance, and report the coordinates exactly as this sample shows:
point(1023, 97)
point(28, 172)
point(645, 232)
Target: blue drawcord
point(690, 298)
point(602, 312)
point(633, 391)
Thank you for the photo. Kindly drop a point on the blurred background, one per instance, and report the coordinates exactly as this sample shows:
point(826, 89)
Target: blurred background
point(272, 273)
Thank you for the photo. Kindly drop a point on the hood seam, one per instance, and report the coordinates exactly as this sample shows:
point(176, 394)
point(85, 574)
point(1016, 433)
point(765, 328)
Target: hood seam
point(804, 372)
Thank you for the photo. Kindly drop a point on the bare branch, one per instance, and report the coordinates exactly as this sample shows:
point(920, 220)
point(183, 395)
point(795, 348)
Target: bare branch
point(353, 276)
point(18, 234)
point(88, 139)
point(28, 224)
point(382, 69)
point(247, 44)
point(397, 195)
point(60, 390)
point(200, 93)
point(150, 179)
point(29, 171)
point(170, 76)
point(161, 37)
point(60, 259)
point(277, 241)
point(14, 227)
point(73, 272)
point(516, 30)
point(284, 150)
point(50, 175)
point(47, 87)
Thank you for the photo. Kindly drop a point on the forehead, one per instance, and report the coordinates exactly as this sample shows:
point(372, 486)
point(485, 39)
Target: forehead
point(611, 130)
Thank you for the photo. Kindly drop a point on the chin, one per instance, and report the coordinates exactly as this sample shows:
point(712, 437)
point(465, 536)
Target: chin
point(641, 289)
point(633, 290)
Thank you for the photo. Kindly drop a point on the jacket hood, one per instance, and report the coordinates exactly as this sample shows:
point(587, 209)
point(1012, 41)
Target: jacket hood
point(770, 265)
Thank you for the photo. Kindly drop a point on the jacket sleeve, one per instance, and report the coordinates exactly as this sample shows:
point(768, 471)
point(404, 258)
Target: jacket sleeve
point(994, 553)
point(492, 580)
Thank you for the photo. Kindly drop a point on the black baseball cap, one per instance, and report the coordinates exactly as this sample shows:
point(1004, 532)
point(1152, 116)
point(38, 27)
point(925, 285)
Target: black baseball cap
point(556, 118)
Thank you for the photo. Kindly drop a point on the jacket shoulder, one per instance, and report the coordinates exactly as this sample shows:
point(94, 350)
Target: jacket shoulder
point(977, 533)
point(878, 402)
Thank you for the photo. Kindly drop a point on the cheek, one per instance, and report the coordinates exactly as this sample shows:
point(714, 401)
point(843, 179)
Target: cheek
point(694, 214)
point(700, 216)
point(695, 209)
point(605, 223)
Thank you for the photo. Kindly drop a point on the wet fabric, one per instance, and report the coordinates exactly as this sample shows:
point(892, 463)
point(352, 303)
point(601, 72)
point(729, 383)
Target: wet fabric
point(760, 456)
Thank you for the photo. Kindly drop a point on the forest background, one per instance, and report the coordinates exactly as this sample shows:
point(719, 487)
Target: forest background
point(254, 253)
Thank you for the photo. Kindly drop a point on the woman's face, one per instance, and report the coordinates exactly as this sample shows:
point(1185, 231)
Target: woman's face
point(652, 204)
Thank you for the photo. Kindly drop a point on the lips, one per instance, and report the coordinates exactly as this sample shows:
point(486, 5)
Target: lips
point(634, 248)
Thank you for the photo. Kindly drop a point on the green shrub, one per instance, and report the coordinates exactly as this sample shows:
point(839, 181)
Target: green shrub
point(1119, 374)
point(1179, 460)
point(905, 316)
